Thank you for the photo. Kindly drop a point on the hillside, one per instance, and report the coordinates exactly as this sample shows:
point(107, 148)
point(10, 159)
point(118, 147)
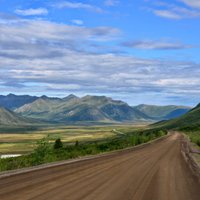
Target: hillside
point(162, 112)
point(88, 108)
point(192, 118)
point(10, 118)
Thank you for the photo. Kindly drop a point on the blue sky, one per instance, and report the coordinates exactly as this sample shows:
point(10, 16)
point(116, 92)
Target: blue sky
point(138, 51)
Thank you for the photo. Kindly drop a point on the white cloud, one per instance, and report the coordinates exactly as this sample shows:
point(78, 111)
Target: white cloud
point(77, 21)
point(31, 11)
point(172, 11)
point(63, 86)
point(156, 45)
point(111, 2)
point(167, 14)
point(177, 13)
point(192, 3)
point(177, 82)
point(78, 5)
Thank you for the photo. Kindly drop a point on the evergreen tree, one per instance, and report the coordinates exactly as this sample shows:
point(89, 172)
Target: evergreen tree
point(58, 144)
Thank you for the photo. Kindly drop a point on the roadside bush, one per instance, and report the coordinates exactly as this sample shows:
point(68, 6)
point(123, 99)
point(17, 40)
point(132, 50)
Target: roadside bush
point(41, 152)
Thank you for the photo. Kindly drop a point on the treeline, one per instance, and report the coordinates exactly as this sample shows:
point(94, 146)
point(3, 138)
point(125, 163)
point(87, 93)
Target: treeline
point(47, 152)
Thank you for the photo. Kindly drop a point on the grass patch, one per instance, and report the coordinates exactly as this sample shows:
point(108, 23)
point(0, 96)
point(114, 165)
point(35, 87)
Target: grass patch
point(193, 133)
point(194, 137)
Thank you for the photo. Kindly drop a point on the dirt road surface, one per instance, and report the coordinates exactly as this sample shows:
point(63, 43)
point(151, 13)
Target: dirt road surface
point(155, 172)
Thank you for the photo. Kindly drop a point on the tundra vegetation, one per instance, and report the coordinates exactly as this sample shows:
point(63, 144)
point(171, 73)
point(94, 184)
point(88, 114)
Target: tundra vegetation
point(47, 152)
point(23, 141)
point(193, 133)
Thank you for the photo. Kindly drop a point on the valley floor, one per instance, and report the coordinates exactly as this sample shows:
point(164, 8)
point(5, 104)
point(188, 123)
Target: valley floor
point(24, 141)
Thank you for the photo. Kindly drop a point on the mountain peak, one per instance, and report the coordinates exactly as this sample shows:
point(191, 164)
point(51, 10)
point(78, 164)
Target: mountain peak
point(71, 96)
point(11, 95)
point(44, 97)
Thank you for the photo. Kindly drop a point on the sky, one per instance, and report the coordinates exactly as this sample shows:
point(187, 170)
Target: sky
point(138, 51)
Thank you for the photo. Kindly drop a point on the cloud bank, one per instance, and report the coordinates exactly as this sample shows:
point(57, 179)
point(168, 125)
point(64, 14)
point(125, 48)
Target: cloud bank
point(57, 60)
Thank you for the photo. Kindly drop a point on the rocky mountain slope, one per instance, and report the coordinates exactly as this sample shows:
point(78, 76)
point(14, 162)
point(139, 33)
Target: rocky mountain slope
point(10, 118)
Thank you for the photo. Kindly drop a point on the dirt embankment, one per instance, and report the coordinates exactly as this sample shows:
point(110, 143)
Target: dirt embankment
point(190, 160)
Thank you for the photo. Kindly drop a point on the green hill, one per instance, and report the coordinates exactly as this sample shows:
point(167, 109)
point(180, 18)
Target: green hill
point(162, 112)
point(190, 119)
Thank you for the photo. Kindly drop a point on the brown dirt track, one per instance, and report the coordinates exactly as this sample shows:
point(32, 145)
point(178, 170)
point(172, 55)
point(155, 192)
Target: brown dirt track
point(154, 172)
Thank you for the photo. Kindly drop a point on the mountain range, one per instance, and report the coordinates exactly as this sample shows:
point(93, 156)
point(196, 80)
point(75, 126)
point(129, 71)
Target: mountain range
point(86, 109)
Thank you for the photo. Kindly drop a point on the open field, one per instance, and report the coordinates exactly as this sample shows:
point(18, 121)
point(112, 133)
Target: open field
point(23, 141)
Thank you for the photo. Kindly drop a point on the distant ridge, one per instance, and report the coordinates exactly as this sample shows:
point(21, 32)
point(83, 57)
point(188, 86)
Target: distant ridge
point(12, 101)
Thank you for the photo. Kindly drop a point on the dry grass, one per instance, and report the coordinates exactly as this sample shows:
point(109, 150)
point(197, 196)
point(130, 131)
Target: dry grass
point(26, 141)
